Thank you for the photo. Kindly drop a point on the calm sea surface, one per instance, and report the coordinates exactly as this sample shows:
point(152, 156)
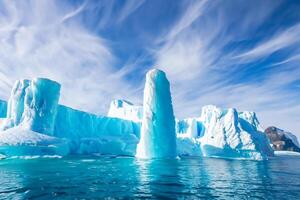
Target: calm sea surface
point(129, 178)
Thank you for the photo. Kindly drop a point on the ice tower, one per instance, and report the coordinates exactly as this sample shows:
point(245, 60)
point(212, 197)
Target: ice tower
point(40, 105)
point(158, 137)
point(16, 104)
point(33, 105)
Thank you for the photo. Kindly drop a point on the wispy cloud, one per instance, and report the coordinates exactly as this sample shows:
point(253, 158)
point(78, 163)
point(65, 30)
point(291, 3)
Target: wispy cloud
point(204, 69)
point(129, 7)
point(282, 39)
point(54, 44)
point(193, 12)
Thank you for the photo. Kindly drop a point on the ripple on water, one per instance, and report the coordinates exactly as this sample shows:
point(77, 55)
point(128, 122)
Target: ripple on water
point(126, 177)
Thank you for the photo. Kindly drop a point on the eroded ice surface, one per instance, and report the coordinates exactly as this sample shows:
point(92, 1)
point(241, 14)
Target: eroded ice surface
point(90, 133)
point(19, 141)
point(223, 133)
point(33, 104)
point(36, 124)
point(125, 110)
point(158, 137)
point(33, 111)
point(229, 134)
point(3, 111)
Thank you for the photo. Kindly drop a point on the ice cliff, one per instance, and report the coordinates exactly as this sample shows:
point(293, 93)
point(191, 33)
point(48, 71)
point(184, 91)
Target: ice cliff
point(33, 123)
point(36, 124)
point(229, 133)
point(3, 109)
point(158, 137)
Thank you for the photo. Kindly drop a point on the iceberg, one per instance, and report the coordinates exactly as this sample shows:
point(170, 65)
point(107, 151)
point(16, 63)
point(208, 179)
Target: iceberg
point(158, 137)
point(34, 123)
point(232, 135)
point(224, 133)
point(37, 124)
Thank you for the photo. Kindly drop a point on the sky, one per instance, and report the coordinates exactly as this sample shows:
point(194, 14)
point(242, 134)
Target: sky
point(241, 54)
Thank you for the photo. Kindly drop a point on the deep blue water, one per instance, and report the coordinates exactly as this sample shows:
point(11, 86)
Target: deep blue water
point(186, 178)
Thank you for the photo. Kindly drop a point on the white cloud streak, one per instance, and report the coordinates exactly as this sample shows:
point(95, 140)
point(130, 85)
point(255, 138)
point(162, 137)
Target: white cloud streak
point(201, 72)
point(129, 8)
point(50, 42)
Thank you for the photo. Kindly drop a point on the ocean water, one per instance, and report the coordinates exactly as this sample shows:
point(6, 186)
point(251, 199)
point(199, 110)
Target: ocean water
point(130, 178)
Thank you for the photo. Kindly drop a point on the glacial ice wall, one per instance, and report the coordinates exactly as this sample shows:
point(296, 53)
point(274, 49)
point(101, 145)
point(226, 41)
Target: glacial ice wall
point(158, 137)
point(89, 133)
point(3, 109)
point(36, 124)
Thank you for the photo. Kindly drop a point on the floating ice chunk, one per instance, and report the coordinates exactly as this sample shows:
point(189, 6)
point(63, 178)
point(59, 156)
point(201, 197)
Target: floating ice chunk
point(158, 137)
point(286, 153)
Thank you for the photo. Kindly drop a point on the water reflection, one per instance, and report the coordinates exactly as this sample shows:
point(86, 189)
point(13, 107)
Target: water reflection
point(193, 178)
point(159, 178)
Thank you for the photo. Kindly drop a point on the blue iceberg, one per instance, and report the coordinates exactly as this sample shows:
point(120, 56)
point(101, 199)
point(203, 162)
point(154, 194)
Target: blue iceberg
point(158, 137)
point(3, 109)
point(36, 124)
point(33, 123)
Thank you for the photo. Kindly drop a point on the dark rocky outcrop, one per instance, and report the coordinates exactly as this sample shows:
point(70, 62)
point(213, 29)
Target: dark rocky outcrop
point(281, 140)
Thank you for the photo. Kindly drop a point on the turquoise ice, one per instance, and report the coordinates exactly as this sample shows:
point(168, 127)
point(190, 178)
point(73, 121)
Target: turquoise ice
point(158, 137)
point(3, 108)
point(37, 125)
point(32, 123)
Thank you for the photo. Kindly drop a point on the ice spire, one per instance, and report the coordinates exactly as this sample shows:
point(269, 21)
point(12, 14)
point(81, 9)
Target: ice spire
point(15, 104)
point(40, 105)
point(158, 137)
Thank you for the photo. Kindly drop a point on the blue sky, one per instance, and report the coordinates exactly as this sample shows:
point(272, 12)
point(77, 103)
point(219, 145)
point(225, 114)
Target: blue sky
point(242, 54)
